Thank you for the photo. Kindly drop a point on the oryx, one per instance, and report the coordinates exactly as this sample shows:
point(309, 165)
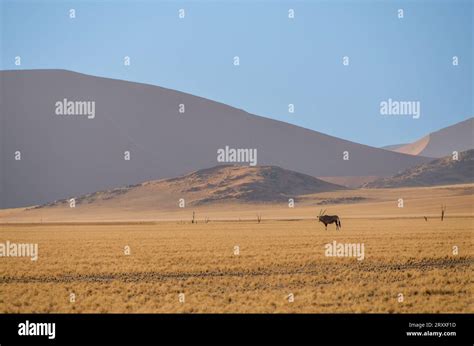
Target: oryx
point(328, 219)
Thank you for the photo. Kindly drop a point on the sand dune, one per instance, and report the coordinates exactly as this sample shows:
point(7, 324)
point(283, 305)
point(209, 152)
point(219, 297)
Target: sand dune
point(64, 156)
point(457, 137)
point(415, 148)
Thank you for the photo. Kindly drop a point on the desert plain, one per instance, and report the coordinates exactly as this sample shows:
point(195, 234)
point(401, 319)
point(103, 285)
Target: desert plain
point(134, 259)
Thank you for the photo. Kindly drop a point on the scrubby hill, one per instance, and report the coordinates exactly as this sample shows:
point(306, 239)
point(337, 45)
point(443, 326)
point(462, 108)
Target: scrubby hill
point(442, 171)
point(220, 184)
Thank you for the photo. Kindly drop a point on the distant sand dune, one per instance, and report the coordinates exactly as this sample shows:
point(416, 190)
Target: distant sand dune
point(458, 137)
point(414, 148)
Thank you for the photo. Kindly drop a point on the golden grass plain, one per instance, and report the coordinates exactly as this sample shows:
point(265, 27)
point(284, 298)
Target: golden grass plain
point(404, 254)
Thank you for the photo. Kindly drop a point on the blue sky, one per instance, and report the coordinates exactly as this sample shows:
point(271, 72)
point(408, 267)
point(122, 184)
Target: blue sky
point(282, 61)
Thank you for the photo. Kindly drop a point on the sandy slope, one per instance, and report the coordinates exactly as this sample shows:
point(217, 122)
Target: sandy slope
point(442, 171)
point(415, 148)
point(457, 137)
point(373, 203)
point(350, 181)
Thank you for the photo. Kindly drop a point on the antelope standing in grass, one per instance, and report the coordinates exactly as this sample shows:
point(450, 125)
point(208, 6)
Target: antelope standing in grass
point(328, 219)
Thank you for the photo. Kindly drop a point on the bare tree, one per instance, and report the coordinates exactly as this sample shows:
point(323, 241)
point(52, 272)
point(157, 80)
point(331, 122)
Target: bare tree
point(426, 219)
point(259, 218)
point(206, 219)
point(193, 220)
point(443, 210)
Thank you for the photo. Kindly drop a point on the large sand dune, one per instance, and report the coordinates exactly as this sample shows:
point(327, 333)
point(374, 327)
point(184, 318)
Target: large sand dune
point(64, 156)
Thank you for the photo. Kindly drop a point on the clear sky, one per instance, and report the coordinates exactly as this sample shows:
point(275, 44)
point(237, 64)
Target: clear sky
point(282, 60)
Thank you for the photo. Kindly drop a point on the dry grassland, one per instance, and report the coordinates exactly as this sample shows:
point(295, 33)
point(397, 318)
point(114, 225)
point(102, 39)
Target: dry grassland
point(402, 255)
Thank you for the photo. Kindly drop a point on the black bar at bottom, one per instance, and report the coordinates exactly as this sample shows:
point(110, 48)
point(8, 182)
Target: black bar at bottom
point(319, 329)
